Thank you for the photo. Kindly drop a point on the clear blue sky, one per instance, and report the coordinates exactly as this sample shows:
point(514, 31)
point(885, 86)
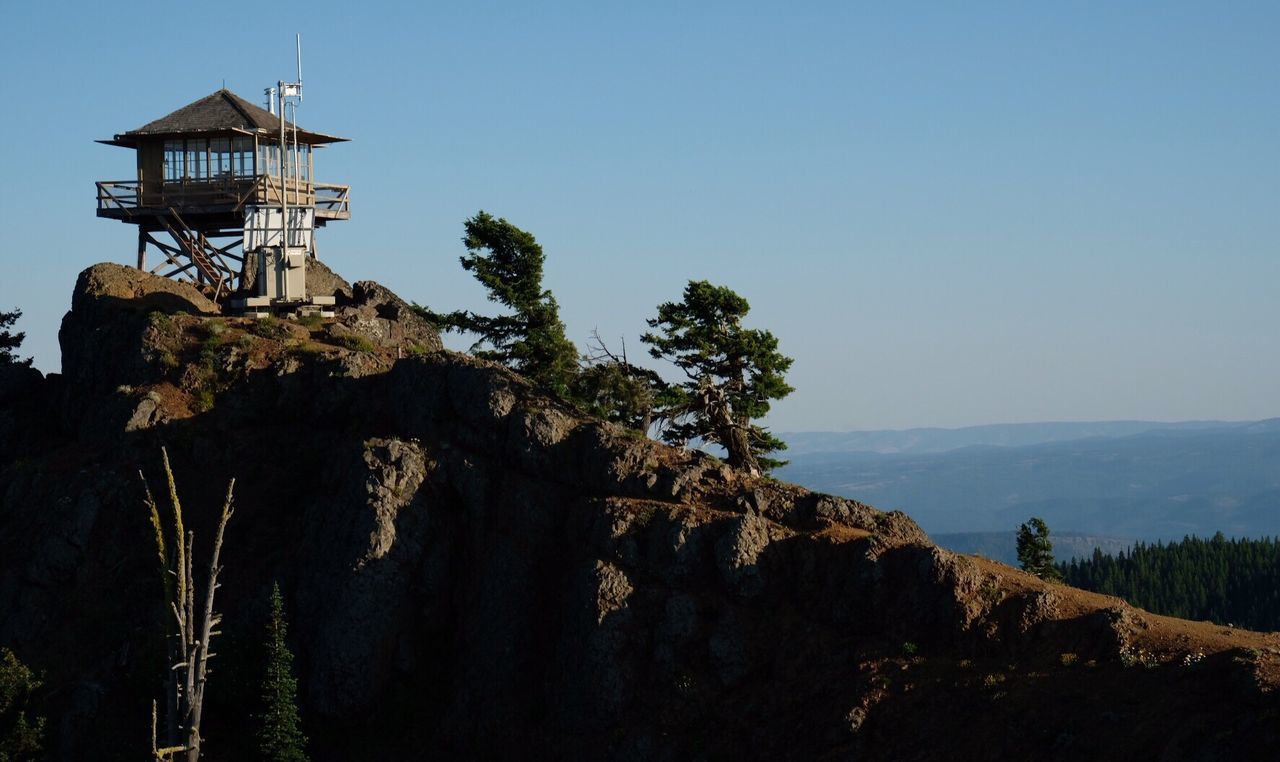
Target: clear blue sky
point(949, 213)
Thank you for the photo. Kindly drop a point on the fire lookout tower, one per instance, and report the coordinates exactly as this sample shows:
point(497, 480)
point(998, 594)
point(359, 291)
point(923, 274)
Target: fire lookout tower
point(226, 194)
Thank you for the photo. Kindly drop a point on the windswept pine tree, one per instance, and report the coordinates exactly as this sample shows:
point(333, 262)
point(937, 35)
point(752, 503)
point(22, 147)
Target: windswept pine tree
point(531, 340)
point(732, 374)
point(280, 737)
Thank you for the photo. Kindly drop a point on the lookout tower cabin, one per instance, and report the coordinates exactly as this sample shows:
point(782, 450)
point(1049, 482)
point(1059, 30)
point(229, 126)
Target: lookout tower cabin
point(226, 196)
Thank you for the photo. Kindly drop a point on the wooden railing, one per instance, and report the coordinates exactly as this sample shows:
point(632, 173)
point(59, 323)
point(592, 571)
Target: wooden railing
point(118, 194)
point(335, 199)
point(128, 195)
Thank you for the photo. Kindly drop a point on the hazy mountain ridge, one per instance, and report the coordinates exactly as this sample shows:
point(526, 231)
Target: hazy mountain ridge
point(931, 440)
point(1158, 484)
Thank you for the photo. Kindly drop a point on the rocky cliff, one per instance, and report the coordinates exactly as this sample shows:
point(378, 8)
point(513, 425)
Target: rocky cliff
point(475, 571)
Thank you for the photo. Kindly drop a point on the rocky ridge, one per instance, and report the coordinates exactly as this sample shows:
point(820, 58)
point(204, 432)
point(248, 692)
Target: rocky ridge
point(474, 570)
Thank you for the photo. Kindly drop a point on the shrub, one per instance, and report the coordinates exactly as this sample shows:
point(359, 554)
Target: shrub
point(270, 328)
point(354, 343)
point(306, 349)
point(167, 359)
point(204, 400)
point(20, 735)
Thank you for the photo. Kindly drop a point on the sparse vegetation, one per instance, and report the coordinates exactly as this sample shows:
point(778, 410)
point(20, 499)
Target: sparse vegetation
point(354, 342)
point(213, 327)
point(205, 399)
point(307, 349)
point(1138, 657)
point(310, 321)
point(163, 323)
point(270, 328)
point(644, 515)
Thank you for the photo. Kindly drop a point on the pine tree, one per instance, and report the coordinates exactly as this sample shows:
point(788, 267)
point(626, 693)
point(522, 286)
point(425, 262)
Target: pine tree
point(1035, 551)
point(10, 341)
point(280, 738)
point(531, 341)
point(733, 373)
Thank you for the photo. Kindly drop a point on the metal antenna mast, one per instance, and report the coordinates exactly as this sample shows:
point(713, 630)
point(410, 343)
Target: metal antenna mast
point(288, 90)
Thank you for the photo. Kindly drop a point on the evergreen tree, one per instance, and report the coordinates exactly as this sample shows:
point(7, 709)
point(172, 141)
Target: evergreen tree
point(280, 738)
point(9, 341)
point(20, 735)
point(1223, 580)
point(1035, 551)
point(733, 373)
point(531, 341)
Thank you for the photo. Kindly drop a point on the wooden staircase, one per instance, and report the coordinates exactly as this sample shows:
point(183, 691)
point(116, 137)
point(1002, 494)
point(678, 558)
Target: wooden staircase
point(215, 276)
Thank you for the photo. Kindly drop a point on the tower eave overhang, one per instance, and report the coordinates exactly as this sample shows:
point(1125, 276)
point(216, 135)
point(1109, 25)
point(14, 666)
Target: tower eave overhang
point(132, 139)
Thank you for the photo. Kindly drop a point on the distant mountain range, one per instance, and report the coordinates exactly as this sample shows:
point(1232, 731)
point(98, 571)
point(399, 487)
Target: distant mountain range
point(1124, 479)
point(995, 435)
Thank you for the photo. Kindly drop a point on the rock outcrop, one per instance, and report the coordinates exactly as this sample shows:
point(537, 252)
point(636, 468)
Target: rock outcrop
point(476, 571)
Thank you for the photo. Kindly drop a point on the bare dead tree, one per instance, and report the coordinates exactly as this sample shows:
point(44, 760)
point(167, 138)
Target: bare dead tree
point(614, 388)
point(191, 631)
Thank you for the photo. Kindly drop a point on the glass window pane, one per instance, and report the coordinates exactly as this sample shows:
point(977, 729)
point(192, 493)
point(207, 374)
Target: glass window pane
point(172, 160)
point(242, 149)
point(197, 159)
point(220, 157)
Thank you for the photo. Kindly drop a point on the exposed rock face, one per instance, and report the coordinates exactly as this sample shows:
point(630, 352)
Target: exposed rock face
point(474, 571)
point(374, 312)
point(322, 281)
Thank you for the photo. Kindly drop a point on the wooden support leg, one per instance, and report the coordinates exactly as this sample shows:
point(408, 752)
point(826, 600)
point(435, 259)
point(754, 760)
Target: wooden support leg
point(142, 248)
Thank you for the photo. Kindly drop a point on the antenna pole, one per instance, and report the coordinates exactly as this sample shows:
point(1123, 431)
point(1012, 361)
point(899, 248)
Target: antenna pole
point(282, 153)
point(299, 40)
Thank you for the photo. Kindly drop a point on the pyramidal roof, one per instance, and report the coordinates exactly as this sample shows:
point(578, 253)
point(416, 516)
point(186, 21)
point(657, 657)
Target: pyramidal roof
point(221, 112)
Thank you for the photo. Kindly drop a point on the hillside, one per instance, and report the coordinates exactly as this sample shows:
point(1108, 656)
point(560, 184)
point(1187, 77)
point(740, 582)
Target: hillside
point(474, 571)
